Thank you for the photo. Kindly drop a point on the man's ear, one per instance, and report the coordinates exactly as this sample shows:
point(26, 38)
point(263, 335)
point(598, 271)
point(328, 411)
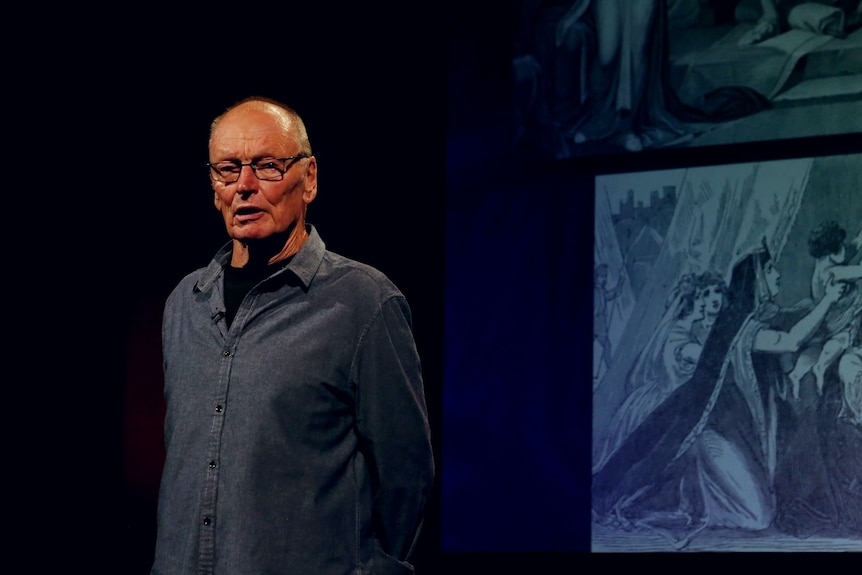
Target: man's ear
point(310, 191)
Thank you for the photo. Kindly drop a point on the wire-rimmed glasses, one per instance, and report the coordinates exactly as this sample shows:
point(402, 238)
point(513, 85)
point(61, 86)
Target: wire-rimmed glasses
point(269, 169)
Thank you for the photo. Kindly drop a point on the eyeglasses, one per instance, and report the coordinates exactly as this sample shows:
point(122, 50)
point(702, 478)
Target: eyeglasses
point(269, 169)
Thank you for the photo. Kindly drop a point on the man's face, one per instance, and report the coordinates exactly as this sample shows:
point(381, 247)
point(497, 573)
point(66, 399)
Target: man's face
point(253, 209)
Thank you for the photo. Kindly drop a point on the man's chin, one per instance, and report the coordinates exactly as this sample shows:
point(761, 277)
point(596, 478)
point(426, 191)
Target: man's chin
point(258, 233)
point(250, 233)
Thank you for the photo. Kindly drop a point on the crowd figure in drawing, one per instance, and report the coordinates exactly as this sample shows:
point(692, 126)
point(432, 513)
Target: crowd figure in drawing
point(671, 355)
point(597, 75)
point(742, 413)
point(602, 297)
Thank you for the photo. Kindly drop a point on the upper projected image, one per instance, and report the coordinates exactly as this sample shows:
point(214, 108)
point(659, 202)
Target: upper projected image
point(603, 77)
point(727, 358)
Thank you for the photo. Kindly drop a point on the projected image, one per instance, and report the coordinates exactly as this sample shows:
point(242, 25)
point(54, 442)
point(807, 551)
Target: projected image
point(727, 358)
point(607, 77)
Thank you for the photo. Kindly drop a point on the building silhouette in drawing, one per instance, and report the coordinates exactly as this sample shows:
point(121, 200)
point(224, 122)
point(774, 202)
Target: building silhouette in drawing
point(640, 228)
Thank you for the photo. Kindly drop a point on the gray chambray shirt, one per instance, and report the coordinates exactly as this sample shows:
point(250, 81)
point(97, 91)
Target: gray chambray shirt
point(297, 440)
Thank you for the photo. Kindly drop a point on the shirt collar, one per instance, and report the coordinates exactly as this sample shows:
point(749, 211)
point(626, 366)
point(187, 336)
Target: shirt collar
point(304, 264)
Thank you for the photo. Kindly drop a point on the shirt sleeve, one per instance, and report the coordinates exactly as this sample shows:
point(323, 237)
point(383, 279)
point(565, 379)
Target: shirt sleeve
point(392, 421)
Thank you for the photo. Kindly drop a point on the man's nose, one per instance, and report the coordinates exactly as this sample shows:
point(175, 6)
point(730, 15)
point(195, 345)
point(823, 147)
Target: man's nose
point(247, 181)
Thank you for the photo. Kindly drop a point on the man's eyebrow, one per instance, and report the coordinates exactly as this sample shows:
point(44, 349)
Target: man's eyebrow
point(254, 159)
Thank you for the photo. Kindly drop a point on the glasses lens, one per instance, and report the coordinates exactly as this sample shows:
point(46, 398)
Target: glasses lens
point(269, 169)
point(226, 171)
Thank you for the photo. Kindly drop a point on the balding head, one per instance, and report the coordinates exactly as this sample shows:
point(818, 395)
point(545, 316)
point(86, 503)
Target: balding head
point(272, 178)
point(282, 115)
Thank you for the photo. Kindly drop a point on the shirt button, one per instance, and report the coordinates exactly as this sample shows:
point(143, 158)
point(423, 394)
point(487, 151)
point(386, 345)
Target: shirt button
point(212, 464)
point(207, 521)
point(226, 352)
point(219, 408)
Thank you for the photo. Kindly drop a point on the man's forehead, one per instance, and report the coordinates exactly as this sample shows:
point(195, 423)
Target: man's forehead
point(255, 111)
point(255, 123)
point(247, 139)
point(238, 134)
point(249, 132)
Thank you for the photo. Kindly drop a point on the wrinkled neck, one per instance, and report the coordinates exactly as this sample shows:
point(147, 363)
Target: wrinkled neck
point(269, 250)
